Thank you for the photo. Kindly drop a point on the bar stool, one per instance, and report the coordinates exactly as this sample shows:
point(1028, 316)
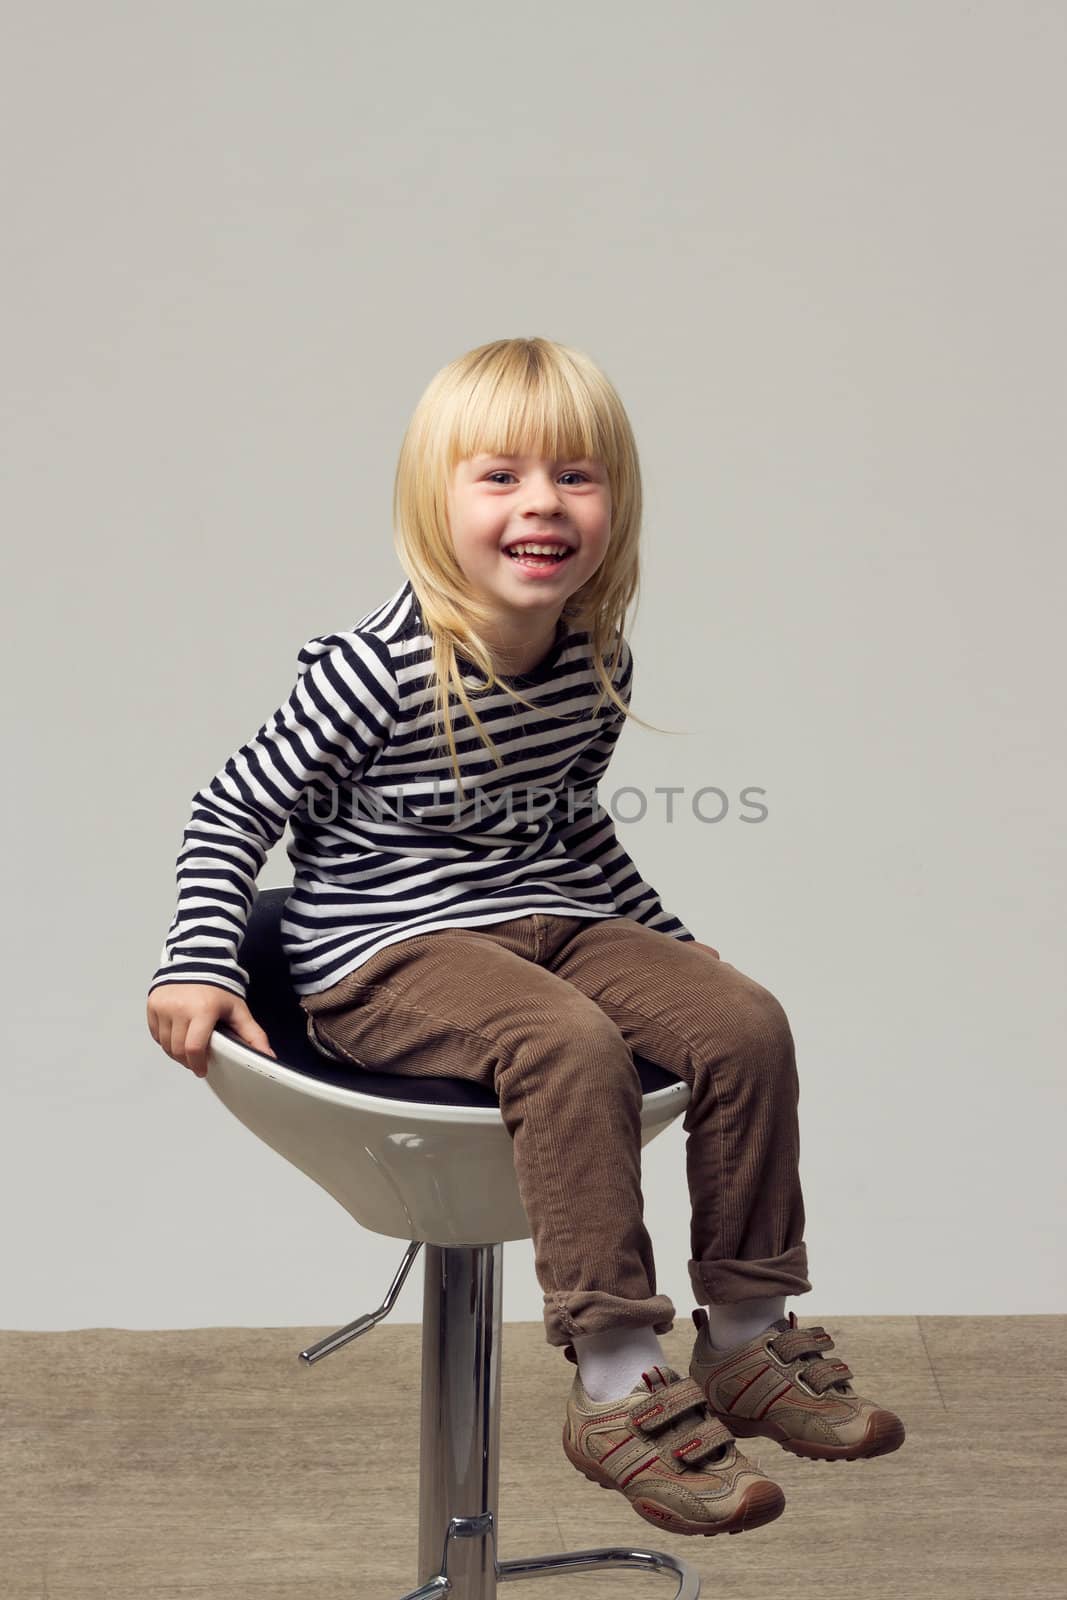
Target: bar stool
point(427, 1160)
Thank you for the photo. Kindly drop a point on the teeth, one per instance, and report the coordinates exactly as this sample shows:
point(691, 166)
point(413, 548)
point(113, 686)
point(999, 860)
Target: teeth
point(538, 549)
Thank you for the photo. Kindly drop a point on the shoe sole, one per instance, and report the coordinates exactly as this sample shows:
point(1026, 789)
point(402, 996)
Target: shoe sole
point(885, 1432)
point(761, 1502)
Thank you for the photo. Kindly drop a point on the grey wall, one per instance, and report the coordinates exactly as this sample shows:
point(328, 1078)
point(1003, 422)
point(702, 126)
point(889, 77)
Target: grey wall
point(820, 250)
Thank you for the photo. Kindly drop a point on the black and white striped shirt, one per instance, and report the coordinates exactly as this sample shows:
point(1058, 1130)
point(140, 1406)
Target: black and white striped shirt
point(382, 846)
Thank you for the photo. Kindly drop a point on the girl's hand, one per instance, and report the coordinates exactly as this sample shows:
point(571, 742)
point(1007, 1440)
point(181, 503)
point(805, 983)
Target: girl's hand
point(700, 946)
point(182, 1018)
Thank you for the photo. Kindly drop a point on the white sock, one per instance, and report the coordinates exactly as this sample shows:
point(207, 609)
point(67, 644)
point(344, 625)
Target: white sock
point(610, 1364)
point(738, 1323)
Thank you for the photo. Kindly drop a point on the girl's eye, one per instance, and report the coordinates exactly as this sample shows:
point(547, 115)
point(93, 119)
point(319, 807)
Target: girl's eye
point(504, 474)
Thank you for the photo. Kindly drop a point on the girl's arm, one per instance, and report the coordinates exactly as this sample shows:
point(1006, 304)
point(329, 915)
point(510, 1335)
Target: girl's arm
point(334, 721)
point(587, 831)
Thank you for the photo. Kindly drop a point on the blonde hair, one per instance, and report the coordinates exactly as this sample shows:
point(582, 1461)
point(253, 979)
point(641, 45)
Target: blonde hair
point(512, 397)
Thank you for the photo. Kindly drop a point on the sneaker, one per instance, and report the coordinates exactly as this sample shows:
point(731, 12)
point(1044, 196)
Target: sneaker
point(780, 1386)
point(679, 1468)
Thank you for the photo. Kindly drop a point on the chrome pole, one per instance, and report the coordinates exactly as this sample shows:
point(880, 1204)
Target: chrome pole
point(459, 1452)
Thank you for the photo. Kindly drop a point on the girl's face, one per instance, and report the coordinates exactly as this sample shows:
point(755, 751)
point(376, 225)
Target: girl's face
point(497, 502)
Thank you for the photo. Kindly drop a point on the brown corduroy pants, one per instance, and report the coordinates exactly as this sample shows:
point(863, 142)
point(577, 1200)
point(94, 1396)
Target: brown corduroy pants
point(549, 1011)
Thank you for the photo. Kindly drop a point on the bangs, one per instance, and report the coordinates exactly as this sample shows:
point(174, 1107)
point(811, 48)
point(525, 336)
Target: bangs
point(524, 403)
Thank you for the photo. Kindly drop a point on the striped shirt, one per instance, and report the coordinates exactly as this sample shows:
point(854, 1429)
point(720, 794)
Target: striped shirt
point(383, 846)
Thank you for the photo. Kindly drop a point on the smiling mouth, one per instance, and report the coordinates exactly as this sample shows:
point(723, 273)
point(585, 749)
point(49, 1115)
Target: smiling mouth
point(539, 562)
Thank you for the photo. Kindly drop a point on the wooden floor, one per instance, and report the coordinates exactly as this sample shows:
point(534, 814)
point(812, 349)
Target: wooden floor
point(213, 1465)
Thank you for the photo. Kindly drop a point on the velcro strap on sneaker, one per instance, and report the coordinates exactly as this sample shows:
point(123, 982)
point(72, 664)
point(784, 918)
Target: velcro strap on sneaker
point(703, 1444)
point(821, 1374)
point(668, 1404)
point(798, 1342)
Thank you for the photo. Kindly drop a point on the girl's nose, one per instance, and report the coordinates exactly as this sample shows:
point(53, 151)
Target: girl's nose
point(541, 492)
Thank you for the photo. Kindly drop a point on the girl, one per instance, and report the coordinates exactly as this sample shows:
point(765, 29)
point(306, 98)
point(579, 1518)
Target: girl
point(462, 906)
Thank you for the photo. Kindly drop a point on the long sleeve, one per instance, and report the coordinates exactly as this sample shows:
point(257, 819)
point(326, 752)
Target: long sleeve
point(335, 720)
point(587, 831)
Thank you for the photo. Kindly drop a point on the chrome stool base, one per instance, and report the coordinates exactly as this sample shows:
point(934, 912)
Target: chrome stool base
point(459, 1450)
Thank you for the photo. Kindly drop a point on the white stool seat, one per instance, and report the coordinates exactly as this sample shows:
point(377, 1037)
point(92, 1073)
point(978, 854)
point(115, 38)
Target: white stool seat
point(411, 1158)
point(410, 1169)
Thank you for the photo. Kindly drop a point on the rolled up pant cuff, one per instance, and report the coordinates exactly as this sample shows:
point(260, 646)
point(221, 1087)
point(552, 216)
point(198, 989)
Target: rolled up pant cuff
point(726, 1282)
point(574, 1315)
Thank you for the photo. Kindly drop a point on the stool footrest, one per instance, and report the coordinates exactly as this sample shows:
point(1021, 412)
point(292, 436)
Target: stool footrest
point(607, 1556)
point(565, 1561)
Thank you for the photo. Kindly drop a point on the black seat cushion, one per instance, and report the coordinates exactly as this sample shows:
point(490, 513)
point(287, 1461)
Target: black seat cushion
point(275, 1005)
